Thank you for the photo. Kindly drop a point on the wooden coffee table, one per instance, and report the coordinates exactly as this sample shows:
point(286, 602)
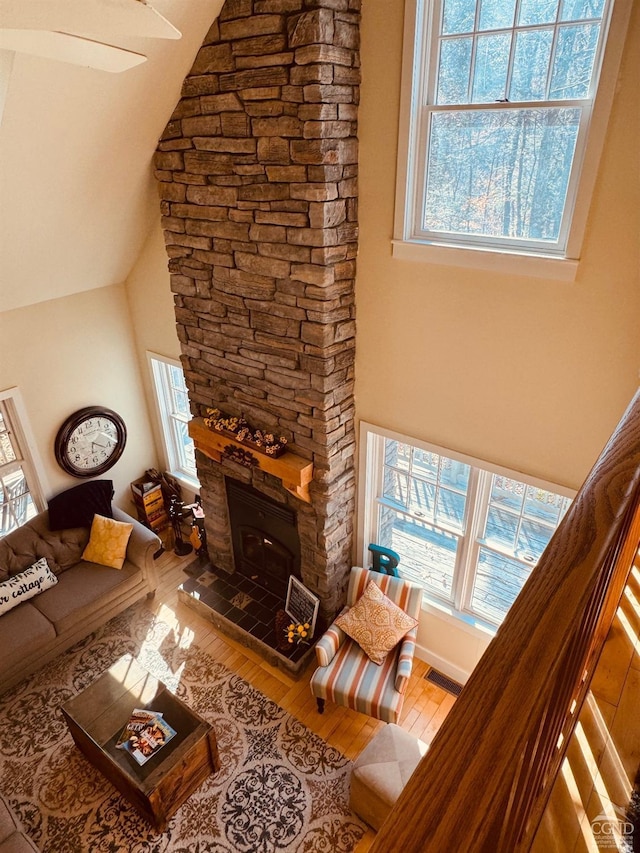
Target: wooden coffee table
point(97, 715)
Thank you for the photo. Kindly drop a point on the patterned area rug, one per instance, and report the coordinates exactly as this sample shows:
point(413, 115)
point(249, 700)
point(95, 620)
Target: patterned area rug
point(280, 788)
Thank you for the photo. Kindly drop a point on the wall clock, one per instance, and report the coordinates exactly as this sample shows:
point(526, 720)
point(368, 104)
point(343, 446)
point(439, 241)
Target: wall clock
point(90, 441)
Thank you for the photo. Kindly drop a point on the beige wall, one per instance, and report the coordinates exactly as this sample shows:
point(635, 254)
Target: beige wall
point(527, 373)
point(75, 171)
point(524, 372)
point(151, 305)
point(73, 352)
point(149, 295)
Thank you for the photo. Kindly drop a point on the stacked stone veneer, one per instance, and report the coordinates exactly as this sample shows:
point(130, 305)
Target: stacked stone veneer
point(257, 171)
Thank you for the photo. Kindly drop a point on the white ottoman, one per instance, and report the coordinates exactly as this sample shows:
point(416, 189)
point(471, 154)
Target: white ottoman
point(381, 771)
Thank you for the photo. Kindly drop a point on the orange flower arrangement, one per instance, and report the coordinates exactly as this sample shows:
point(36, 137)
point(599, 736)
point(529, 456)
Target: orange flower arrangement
point(297, 633)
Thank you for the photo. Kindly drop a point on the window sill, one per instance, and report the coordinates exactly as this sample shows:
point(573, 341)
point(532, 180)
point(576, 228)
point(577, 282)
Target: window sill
point(465, 621)
point(511, 263)
point(186, 482)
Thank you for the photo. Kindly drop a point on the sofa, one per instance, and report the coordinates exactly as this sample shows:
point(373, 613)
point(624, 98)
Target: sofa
point(85, 596)
point(13, 838)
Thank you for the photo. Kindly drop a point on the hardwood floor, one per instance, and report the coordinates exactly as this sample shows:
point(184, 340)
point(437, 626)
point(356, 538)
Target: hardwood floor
point(600, 765)
point(425, 707)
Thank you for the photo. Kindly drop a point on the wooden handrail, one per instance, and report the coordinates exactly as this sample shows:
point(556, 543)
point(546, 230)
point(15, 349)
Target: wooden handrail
point(484, 783)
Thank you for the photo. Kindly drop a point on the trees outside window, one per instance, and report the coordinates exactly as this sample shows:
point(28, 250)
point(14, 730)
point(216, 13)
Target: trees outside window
point(501, 107)
point(174, 415)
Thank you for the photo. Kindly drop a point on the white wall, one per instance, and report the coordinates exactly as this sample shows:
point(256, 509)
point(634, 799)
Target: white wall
point(449, 646)
point(72, 352)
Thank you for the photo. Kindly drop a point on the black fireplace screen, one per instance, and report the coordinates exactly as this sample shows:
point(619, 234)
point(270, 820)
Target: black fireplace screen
point(264, 534)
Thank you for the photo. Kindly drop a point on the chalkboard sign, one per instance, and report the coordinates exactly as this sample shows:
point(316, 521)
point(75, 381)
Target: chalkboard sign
point(301, 604)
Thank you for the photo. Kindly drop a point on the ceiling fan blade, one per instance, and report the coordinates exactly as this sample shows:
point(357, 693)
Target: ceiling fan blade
point(76, 50)
point(101, 19)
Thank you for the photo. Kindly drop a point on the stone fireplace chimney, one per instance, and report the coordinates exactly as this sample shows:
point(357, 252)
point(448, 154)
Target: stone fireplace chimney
point(257, 171)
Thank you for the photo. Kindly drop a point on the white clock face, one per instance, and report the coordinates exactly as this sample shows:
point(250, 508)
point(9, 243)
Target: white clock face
point(92, 442)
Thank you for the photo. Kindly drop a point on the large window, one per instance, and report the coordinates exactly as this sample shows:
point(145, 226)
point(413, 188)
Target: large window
point(503, 92)
point(20, 493)
point(470, 536)
point(173, 408)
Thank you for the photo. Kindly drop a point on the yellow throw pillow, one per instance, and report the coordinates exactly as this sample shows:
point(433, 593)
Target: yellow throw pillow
point(108, 542)
point(376, 623)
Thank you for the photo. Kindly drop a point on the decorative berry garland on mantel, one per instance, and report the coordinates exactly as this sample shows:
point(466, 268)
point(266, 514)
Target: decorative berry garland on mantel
point(241, 431)
point(295, 472)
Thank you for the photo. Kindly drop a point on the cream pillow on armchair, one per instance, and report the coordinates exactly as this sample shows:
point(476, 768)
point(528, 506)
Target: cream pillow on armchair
point(376, 623)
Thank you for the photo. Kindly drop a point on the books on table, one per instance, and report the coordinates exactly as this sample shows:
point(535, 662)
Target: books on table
point(144, 735)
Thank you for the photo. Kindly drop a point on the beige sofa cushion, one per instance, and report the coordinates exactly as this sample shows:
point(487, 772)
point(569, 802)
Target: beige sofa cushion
point(23, 631)
point(22, 547)
point(82, 590)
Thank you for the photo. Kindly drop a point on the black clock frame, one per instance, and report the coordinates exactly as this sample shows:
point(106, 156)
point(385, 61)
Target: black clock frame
point(71, 423)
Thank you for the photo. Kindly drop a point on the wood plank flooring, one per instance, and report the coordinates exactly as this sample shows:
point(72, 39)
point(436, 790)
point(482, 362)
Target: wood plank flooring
point(425, 707)
point(600, 764)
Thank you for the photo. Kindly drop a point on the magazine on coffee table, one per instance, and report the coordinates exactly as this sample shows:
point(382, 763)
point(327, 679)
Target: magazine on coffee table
point(139, 718)
point(145, 734)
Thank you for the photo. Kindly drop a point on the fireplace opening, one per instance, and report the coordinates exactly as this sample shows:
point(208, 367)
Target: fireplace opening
point(264, 536)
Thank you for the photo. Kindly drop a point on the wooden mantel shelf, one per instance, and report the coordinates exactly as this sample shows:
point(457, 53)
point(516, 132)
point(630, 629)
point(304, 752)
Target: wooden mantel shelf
point(295, 472)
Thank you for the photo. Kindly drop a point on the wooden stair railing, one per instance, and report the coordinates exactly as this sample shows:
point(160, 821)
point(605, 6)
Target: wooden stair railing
point(484, 783)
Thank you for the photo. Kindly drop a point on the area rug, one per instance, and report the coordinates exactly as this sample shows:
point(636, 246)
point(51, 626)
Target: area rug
point(280, 789)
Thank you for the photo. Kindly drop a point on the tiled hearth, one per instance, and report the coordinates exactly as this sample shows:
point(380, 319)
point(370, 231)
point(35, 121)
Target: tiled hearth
point(244, 611)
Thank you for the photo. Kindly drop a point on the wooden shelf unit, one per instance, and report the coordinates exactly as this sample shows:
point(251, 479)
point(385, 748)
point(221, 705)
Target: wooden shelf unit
point(295, 472)
point(149, 504)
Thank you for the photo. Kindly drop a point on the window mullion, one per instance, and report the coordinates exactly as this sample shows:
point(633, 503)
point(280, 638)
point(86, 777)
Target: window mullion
point(466, 542)
point(429, 75)
point(472, 67)
point(11, 467)
point(478, 522)
point(512, 105)
point(374, 479)
point(552, 55)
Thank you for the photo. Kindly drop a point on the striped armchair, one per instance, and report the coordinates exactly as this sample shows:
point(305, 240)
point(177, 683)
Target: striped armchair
point(346, 676)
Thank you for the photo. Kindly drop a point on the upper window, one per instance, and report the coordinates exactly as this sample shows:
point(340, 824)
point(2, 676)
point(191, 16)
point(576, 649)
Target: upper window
point(20, 496)
point(469, 535)
point(503, 92)
point(173, 406)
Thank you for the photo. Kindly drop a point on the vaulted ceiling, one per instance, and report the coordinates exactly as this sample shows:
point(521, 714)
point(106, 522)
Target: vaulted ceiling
point(77, 193)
